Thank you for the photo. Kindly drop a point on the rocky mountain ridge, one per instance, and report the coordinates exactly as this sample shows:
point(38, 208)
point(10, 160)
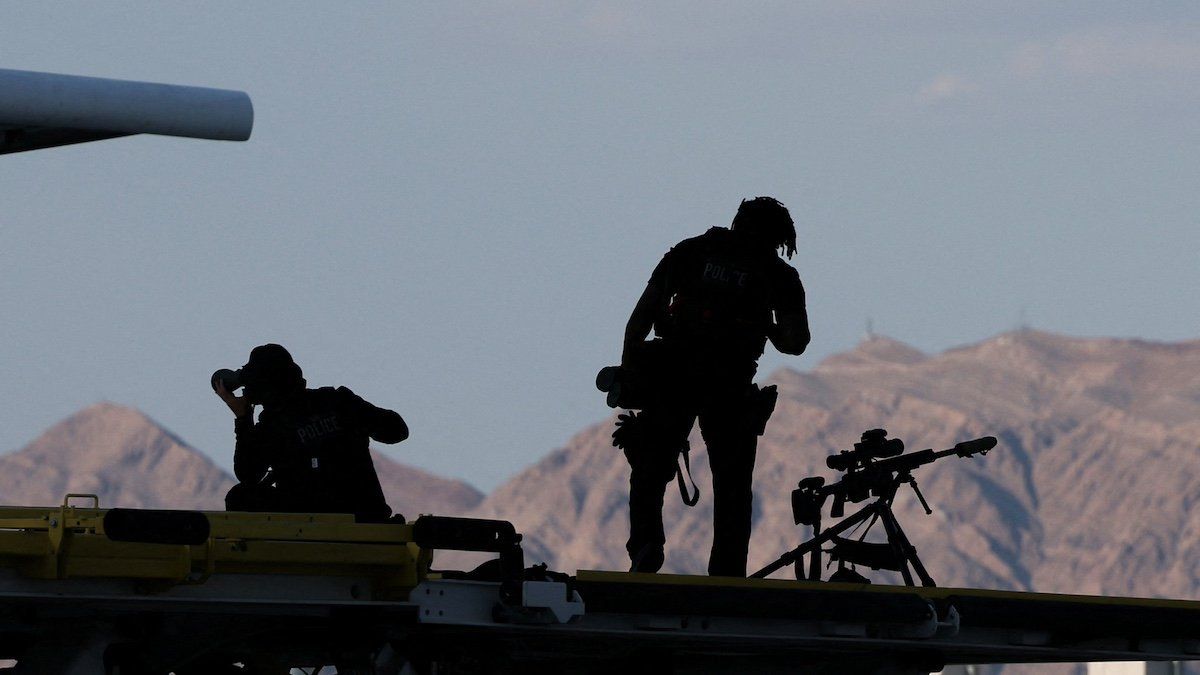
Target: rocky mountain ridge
point(1089, 491)
point(129, 460)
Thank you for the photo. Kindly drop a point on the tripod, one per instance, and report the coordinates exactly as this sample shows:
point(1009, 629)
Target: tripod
point(898, 554)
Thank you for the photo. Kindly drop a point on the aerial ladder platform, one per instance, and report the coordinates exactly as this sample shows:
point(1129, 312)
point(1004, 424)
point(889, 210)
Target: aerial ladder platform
point(48, 110)
point(85, 589)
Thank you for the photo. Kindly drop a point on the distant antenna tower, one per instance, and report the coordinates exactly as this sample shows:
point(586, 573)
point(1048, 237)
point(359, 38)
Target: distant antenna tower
point(870, 328)
point(1022, 320)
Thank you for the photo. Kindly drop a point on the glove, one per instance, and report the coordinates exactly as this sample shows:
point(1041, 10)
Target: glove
point(628, 431)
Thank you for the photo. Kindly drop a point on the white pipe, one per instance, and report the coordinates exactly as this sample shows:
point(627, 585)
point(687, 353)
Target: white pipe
point(48, 100)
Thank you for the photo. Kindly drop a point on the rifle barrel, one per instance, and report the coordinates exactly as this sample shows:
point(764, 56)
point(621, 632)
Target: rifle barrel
point(978, 445)
point(912, 460)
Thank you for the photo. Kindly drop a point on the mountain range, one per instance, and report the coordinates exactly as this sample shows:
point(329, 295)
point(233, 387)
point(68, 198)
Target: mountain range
point(1090, 489)
point(129, 460)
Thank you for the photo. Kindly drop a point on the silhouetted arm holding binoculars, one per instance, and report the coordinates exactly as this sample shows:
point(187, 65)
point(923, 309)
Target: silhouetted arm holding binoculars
point(238, 404)
point(249, 464)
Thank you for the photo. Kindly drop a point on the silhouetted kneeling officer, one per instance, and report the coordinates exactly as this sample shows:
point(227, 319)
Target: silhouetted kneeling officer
point(308, 452)
point(714, 300)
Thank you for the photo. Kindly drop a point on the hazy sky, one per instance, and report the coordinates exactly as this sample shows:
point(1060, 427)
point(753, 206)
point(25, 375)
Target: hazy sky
point(451, 207)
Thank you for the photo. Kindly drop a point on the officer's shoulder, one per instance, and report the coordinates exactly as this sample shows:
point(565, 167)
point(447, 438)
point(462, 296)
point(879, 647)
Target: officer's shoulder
point(782, 265)
point(329, 393)
point(711, 236)
point(780, 271)
point(718, 234)
point(340, 397)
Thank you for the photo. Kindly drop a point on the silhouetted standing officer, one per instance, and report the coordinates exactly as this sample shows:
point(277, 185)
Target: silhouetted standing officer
point(308, 452)
point(714, 300)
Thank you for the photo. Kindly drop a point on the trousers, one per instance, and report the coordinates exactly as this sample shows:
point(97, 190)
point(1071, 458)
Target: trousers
point(722, 408)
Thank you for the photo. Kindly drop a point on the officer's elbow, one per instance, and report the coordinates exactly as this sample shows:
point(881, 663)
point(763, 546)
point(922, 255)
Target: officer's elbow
point(791, 338)
point(246, 471)
point(802, 339)
point(394, 432)
point(800, 345)
point(792, 348)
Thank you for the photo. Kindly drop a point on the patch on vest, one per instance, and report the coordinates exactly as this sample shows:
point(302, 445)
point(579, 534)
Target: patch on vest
point(319, 428)
point(724, 274)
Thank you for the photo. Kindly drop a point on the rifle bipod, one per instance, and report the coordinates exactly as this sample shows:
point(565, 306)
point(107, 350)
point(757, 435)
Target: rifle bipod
point(898, 554)
point(875, 468)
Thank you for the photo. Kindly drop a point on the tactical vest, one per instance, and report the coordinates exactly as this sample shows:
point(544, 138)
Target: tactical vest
point(719, 292)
